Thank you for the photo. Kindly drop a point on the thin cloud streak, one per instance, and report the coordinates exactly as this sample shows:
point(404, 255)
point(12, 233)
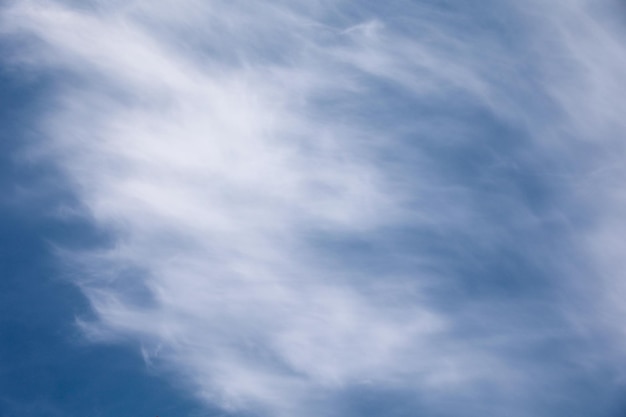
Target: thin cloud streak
point(295, 206)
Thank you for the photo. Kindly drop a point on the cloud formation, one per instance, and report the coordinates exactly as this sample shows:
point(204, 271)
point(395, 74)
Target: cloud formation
point(312, 201)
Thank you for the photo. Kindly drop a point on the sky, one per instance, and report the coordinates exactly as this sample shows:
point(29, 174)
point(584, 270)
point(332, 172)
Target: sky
point(321, 208)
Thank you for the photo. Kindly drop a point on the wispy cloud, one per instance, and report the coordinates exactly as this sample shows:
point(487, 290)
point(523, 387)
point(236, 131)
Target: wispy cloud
point(310, 200)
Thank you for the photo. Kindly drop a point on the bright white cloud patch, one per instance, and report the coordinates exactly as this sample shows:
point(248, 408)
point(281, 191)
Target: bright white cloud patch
point(309, 198)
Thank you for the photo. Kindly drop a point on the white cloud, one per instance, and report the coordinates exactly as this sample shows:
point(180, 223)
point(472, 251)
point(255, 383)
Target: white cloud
point(592, 97)
point(225, 146)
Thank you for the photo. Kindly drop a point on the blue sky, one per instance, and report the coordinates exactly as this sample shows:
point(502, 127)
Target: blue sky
point(320, 208)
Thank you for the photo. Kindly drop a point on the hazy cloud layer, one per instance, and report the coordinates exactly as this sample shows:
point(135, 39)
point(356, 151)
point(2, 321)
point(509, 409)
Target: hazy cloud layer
point(314, 203)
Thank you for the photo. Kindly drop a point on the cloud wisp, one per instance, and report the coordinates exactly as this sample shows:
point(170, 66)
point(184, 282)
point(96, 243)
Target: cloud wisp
point(311, 199)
